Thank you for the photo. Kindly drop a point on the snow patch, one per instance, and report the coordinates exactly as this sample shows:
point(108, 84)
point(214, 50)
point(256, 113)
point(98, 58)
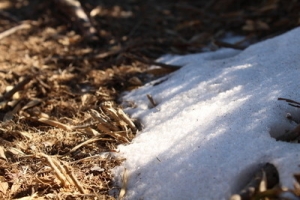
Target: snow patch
point(215, 122)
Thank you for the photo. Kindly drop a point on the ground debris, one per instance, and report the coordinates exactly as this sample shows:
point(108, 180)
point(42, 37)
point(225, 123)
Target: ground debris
point(262, 185)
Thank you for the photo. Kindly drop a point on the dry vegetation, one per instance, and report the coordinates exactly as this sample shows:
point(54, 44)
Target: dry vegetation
point(59, 83)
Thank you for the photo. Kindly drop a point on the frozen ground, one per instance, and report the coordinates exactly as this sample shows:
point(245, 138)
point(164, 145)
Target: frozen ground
point(214, 120)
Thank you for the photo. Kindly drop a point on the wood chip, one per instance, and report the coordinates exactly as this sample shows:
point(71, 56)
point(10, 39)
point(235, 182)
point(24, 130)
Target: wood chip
point(2, 154)
point(55, 124)
point(32, 103)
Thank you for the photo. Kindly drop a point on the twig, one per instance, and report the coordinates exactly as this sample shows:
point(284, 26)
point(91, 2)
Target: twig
point(55, 123)
point(87, 142)
point(18, 87)
point(74, 179)
point(56, 166)
point(150, 98)
point(228, 45)
point(13, 30)
point(291, 102)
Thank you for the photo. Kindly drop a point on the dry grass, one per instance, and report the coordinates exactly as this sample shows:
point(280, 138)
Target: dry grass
point(69, 155)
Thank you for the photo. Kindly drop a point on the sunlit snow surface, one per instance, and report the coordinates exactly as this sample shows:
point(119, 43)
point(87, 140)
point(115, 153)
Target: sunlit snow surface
point(211, 128)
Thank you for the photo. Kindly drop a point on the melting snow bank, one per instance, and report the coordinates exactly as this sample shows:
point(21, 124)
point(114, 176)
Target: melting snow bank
point(213, 124)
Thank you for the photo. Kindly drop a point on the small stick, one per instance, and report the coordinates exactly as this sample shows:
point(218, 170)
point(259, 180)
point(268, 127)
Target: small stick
point(55, 123)
point(56, 167)
point(18, 87)
point(153, 103)
point(228, 45)
point(13, 30)
point(74, 179)
point(95, 139)
point(291, 102)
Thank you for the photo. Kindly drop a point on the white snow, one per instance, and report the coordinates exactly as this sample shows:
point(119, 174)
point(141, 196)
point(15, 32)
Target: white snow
point(211, 128)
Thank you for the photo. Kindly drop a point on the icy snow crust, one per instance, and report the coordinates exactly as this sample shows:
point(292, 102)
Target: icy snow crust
point(211, 128)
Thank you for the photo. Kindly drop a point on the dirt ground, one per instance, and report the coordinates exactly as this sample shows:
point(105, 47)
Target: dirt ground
point(61, 120)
